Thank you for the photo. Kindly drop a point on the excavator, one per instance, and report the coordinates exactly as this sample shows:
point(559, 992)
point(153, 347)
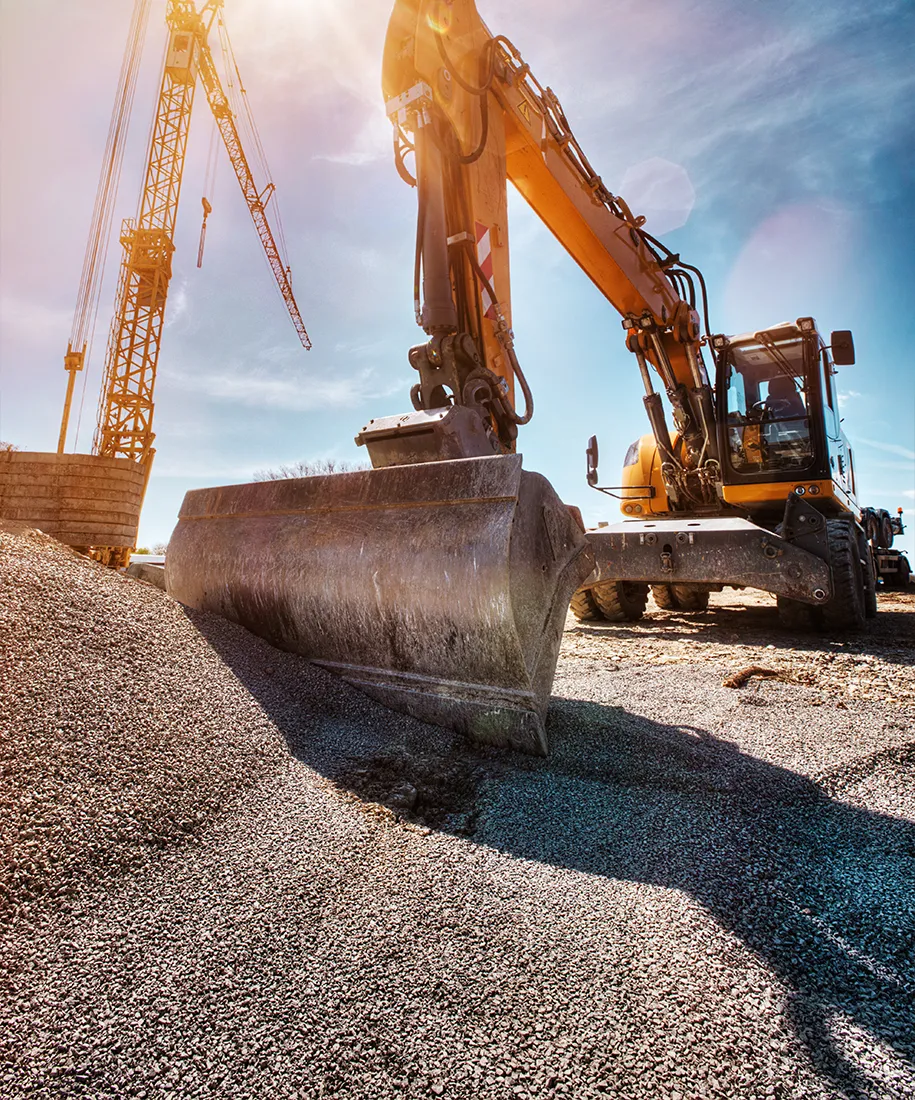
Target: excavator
point(439, 580)
point(784, 517)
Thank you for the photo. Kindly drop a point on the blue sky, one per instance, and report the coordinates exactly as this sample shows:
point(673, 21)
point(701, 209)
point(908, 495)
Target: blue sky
point(771, 144)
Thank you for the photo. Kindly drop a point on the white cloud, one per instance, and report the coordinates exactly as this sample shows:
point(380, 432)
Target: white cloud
point(845, 398)
point(890, 448)
point(362, 350)
point(371, 144)
point(898, 464)
point(318, 46)
point(177, 305)
point(666, 195)
point(288, 391)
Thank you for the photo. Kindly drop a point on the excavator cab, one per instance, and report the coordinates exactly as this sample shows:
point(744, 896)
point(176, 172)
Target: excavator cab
point(768, 422)
point(787, 520)
point(778, 415)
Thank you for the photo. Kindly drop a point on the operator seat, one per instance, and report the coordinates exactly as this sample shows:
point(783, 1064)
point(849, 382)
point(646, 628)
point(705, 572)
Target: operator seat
point(783, 400)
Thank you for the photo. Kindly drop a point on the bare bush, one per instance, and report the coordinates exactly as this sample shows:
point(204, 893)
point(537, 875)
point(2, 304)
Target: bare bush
point(310, 468)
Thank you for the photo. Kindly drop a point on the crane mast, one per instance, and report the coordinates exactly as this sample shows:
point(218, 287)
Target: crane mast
point(124, 428)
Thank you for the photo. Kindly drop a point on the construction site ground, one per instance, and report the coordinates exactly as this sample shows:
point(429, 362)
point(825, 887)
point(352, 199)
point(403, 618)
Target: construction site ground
point(226, 873)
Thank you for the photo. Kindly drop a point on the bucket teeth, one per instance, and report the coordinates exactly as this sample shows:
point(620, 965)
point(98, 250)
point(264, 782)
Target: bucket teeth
point(439, 589)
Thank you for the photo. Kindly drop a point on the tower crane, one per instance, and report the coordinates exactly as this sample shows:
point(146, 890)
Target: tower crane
point(124, 426)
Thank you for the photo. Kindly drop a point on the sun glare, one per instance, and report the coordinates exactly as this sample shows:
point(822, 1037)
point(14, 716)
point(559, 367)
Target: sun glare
point(439, 18)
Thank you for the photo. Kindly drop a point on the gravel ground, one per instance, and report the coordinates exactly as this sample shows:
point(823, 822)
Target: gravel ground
point(228, 874)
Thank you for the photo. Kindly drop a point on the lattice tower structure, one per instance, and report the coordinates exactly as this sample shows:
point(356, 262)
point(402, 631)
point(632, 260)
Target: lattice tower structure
point(124, 428)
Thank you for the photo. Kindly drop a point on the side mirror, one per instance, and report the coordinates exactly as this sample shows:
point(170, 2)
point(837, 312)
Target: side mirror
point(843, 347)
point(591, 454)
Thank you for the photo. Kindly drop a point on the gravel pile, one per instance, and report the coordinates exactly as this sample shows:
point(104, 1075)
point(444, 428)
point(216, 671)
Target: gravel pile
point(234, 876)
point(114, 744)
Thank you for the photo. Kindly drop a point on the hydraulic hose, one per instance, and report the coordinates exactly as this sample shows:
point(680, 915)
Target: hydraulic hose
point(506, 346)
point(446, 60)
point(418, 257)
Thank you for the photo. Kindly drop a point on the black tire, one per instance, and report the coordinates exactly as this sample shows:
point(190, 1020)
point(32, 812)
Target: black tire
point(886, 530)
point(664, 597)
point(679, 597)
point(620, 601)
point(904, 571)
point(689, 599)
point(584, 608)
point(846, 609)
point(870, 579)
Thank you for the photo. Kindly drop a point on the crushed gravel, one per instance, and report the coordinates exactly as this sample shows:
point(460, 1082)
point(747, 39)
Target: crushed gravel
point(228, 874)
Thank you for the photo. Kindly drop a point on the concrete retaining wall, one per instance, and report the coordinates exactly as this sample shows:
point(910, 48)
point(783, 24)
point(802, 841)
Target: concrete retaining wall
point(81, 500)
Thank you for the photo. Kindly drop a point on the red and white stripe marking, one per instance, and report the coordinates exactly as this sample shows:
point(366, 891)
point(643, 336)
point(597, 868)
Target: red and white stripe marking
point(484, 259)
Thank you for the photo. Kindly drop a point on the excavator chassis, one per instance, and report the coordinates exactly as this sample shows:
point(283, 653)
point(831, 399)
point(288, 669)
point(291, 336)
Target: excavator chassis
point(719, 551)
point(439, 588)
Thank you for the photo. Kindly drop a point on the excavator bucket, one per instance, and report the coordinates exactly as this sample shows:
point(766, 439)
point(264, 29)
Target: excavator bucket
point(439, 588)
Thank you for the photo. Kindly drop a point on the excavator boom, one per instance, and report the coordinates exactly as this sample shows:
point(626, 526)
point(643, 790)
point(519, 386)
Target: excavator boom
point(469, 107)
point(439, 580)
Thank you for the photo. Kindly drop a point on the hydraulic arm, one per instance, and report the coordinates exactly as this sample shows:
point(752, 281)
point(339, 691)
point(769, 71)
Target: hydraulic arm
point(438, 581)
point(470, 109)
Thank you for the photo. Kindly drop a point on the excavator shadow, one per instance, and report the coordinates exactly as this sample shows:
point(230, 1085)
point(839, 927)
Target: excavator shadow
point(822, 893)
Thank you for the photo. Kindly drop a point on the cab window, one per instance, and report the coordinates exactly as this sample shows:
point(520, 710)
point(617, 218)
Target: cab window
point(827, 378)
point(768, 422)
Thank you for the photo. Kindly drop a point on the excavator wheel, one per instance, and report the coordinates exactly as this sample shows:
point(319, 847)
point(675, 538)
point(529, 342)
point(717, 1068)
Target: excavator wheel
point(869, 569)
point(850, 605)
point(690, 599)
point(899, 579)
point(620, 601)
point(664, 597)
point(679, 597)
point(794, 615)
point(584, 608)
point(847, 608)
point(872, 529)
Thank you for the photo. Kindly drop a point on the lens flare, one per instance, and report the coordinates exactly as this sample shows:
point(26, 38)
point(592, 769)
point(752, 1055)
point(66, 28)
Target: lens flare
point(439, 18)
